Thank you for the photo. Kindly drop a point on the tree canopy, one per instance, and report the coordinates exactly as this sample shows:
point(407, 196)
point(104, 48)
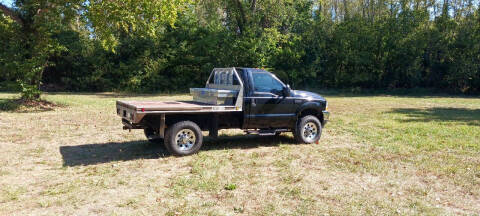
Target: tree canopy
point(170, 45)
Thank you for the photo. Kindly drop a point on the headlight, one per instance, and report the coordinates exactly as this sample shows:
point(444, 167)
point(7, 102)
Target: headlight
point(326, 105)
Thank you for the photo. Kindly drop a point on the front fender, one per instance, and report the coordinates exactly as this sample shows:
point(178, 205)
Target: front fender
point(310, 105)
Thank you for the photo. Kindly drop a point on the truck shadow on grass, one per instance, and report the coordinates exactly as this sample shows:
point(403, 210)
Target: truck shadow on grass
point(90, 154)
point(440, 114)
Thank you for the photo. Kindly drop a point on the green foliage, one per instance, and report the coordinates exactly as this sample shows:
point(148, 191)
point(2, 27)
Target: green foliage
point(230, 187)
point(151, 46)
point(29, 92)
point(8, 104)
point(111, 19)
point(32, 32)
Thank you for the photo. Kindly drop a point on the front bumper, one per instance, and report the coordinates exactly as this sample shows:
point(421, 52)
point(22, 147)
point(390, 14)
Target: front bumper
point(326, 117)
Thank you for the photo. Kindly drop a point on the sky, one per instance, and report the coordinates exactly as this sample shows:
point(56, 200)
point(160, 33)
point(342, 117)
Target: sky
point(7, 2)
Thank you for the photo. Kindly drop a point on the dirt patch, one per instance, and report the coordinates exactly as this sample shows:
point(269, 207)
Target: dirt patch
point(22, 105)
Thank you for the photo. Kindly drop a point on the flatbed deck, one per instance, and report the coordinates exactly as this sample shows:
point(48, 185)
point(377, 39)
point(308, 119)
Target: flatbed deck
point(173, 106)
point(163, 105)
point(135, 110)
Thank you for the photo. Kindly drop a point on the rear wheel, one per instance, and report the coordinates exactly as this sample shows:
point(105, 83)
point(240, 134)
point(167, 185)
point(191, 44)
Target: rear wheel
point(183, 138)
point(308, 130)
point(152, 135)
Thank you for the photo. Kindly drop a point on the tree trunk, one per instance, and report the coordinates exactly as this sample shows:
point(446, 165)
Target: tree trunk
point(241, 19)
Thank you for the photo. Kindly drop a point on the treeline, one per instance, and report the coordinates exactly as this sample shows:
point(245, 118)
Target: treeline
point(318, 44)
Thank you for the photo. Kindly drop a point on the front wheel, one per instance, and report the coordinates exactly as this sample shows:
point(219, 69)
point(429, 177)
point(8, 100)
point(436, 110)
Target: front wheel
point(183, 138)
point(308, 130)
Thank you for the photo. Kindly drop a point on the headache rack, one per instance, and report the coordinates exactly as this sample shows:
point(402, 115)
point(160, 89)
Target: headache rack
point(223, 87)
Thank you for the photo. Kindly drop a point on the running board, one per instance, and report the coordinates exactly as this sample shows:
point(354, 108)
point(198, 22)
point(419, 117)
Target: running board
point(266, 132)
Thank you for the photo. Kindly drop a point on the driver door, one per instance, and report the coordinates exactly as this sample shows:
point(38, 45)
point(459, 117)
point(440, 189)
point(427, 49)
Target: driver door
point(269, 108)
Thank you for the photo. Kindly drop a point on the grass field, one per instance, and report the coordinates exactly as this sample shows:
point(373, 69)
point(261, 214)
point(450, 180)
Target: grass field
point(379, 155)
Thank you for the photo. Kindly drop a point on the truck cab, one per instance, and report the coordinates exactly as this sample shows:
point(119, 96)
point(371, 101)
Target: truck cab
point(269, 103)
point(251, 99)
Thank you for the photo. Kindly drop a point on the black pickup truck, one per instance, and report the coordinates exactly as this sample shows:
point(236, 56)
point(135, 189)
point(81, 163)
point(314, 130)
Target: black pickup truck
point(246, 98)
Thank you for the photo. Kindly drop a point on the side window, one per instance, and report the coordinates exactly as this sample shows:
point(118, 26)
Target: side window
point(264, 82)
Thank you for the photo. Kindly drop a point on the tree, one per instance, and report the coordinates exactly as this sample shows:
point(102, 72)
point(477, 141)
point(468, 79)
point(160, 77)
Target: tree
point(169, 45)
point(35, 21)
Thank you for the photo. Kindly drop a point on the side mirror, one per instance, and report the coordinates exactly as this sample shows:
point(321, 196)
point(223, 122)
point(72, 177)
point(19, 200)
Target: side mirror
point(286, 91)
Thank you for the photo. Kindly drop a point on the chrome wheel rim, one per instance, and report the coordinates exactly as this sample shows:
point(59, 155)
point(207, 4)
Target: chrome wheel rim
point(310, 131)
point(185, 139)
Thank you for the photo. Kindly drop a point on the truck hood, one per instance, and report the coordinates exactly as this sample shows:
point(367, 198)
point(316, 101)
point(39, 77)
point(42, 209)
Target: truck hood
point(306, 95)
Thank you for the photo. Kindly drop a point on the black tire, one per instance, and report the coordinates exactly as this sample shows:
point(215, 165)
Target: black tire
point(193, 138)
point(301, 136)
point(152, 135)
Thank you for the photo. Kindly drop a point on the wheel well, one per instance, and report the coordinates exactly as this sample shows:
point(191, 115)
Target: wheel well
point(313, 112)
point(153, 121)
point(201, 120)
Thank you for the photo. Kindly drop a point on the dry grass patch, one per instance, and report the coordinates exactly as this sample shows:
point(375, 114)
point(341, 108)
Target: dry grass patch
point(379, 155)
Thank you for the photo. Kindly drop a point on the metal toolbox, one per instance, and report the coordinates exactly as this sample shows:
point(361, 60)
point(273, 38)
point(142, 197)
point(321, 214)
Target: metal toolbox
point(214, 96)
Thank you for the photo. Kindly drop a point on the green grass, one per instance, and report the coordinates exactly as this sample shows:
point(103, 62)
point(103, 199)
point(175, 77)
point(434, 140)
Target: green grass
point(379, 155)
